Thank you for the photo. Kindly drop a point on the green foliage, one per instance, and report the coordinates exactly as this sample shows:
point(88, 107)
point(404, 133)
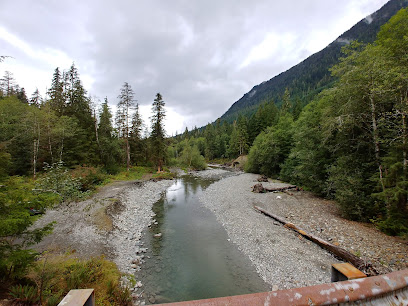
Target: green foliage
point(239, 138)
point(16, 198)
point(54, 276)
point(349, 178)
point(352, 142)
point(134, 173)
point(310, 77)
point(271, 148)
point(24, 294)
point(310, 158)
point(89, 177)
point(157, 137)
point(58, 180)
point(190, 156)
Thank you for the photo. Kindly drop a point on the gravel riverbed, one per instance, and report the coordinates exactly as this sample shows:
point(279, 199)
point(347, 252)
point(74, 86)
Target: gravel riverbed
point(135, 215)
point(111, 224)
point(282, 258)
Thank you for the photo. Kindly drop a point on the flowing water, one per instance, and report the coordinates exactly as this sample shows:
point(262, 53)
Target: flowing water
point(193, 259)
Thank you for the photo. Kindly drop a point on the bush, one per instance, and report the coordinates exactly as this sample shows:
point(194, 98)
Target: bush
point(89, 177)
point(16, 198)
point(25, 294)
point(56, 276)
point(58, 180)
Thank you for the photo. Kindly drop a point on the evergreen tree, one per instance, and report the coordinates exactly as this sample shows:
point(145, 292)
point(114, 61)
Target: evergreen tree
point(125, 105)
point(56, 93)
point(286, 104)
point(136, 141)
point(158, 145)
point(36, 99)
point(108, 143)
point(239, 137)
point(21, 95)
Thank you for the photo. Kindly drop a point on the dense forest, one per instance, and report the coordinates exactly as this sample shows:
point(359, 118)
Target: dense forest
point(57, 149)
point(348, 144)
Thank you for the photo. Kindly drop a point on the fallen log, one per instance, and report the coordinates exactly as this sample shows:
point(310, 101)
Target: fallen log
point(259, 188)
point(263, 178)
point(360, 264)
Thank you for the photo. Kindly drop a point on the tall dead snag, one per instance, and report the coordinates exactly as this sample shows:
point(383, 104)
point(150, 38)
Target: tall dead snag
point(360, 264)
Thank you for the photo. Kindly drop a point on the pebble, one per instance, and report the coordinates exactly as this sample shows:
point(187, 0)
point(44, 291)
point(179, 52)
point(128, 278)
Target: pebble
point(139, 284)
point(280, 263)
point(132, 220)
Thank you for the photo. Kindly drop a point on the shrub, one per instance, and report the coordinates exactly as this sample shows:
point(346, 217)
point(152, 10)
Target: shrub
point(89, 177)
point(55, 276)
point(58, 180)
point(24, 294)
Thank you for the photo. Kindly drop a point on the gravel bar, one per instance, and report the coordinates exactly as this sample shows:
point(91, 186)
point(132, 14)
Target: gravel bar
point(282, 258)
point(135, 216)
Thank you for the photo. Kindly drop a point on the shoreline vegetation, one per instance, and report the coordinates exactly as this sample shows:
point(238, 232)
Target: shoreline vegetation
point(36, 265)
point(65, 155)
point(106, 201)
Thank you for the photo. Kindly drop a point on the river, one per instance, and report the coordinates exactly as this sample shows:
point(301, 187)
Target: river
point(193, 258)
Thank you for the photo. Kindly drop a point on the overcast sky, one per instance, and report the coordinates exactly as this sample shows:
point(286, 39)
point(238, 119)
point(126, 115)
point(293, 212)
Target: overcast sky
point(202, 56)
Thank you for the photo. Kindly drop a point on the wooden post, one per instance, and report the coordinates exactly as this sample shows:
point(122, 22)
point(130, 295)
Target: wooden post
point(79, 297)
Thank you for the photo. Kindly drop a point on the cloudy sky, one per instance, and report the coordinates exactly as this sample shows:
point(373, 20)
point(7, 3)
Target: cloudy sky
point(202, 56)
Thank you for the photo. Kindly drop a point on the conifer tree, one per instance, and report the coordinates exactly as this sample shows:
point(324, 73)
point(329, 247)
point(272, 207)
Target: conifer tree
point(158, 132)
point(125, 105)
point(56, 93)
point(286, 104)
point(36, 98)
point(108, 143)
point(136, 146)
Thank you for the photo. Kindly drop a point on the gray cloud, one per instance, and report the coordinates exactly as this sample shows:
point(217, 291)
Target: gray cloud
point(191, 51)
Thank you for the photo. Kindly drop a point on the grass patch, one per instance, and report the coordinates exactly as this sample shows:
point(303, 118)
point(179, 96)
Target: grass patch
point(134, 173)
point(52, 277)
point(102, 221)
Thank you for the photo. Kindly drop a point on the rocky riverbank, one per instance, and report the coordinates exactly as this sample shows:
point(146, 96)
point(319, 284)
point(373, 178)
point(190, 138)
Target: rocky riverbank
point(110, 224)
point(283, 258)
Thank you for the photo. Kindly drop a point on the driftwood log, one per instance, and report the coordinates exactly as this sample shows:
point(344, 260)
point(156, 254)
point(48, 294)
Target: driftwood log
point(259, 188)
point(360, 264)
point(263, 178)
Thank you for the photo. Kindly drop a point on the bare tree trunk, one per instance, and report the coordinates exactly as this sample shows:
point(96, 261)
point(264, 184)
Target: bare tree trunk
point(34, 158)
point(127, 154)
point(36, 149)
point(404, 143)
point(376, 141)
point(96, 130)
point(127, 138)
point(62, 144)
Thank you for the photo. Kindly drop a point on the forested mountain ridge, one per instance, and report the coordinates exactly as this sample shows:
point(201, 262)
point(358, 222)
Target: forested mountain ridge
point(305, 80)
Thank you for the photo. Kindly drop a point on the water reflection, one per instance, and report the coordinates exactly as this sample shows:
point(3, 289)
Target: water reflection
point(192, 259)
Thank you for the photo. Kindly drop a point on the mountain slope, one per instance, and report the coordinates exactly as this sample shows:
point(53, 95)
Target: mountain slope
point(311, 76)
